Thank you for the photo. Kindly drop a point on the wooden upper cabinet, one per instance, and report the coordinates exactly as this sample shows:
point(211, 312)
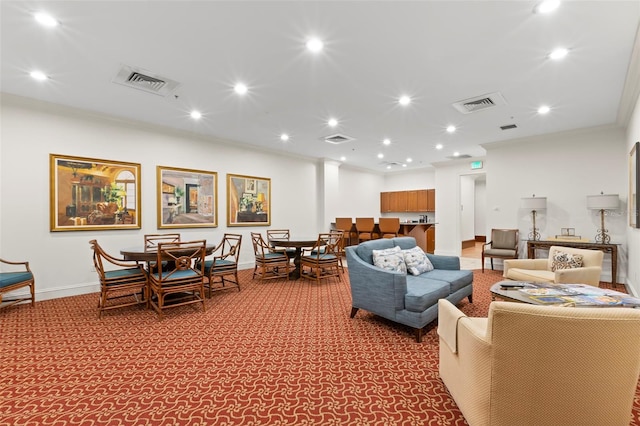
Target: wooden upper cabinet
point(431, 200)
point(419, 201)
point(385, 202)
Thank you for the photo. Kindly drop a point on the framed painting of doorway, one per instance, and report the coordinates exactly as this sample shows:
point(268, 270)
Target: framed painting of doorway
point(89, 194)
point(248, 200)
point(187, 198)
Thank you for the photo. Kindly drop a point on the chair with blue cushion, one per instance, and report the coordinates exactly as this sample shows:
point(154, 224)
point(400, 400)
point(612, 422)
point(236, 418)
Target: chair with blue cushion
point(14, 276)
point(183, 281)
point(151, 242)
point(122, 282)
point(222, 269)
point(269, 265)
point(322, 260)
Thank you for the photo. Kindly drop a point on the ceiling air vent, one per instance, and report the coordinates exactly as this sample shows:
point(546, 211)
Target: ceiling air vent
point(479, 103)
point(145, 81)
point(337, 139)
point(458, 157)
point(509, 127)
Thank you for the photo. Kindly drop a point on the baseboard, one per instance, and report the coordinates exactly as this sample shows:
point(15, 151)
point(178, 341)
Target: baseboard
point(481, 238)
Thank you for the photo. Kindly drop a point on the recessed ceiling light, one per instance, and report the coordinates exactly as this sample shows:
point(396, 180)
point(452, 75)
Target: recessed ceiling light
point(240, 89)
point(315, 45)
point(387, 141)
point(381, 155)
point(38, 75)
point(409, 159)
point(332, 122)
point(404, 165)
point(456, 154)
point(343, 158)
point(543, 109)
point(46, 20)
point(439, 146)
point(404, 100)
point(558, 53)
point(389, 166)
point(284, 137)
point(546, 6)
point(451, 129)
point(196, 115)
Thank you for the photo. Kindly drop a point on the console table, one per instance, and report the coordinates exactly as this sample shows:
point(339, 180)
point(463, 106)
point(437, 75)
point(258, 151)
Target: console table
point(612, 249)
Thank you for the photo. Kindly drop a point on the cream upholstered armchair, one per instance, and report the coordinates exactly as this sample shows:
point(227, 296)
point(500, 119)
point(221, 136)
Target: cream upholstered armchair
point(541, 365)
point(560, 267)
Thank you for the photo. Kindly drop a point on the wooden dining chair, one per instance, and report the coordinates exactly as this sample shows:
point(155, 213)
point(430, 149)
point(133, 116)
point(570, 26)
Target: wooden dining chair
point(15, 276)
point(183, 281)
point(365, 227)
point(222, 269)
point(151, 242)
point(122, 282)
point(273, 235)
point(268, 264)
point(322, 259)
point(389, 227)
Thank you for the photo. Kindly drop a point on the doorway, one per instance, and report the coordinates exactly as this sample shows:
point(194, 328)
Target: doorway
point(192, 198)
point(472, 214)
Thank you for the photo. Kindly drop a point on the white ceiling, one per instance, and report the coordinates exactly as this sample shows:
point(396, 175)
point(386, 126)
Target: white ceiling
point(436, 52)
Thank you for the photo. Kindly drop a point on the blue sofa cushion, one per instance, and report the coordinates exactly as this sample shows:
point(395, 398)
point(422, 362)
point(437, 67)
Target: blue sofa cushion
point(424, 292)
point(11, 278)
point(405, 243)
point(457, 279)
point(365, 250)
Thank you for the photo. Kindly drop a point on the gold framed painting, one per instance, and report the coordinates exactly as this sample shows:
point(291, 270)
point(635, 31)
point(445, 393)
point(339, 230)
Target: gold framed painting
point(90, 194)
point(248, 200)
point(187, 198)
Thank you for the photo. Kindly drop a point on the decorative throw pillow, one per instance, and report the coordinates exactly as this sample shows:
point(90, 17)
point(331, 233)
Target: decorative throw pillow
point(390, 259)
point(417, 261)
point(562, 260)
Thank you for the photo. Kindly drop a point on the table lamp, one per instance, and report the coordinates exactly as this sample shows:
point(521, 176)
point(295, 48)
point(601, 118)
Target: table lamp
point(534, 204)
point(604, 203)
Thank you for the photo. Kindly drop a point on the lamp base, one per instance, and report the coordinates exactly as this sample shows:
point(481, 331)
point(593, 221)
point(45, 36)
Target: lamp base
point(602, 237)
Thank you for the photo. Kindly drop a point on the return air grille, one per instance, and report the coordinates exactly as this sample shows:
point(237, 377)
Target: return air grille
point(479, 103)
point(509, 127)
point(145, 81)
point(337, 139)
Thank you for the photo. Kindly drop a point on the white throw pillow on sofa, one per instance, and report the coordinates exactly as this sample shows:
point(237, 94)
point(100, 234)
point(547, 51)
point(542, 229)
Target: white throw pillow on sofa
point(390, 259)
point(417, 261)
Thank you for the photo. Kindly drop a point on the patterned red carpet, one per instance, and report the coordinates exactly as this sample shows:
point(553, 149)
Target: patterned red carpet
point(278, 353)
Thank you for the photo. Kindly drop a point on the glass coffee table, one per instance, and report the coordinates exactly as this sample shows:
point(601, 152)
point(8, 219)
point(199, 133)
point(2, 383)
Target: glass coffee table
point(561, 294)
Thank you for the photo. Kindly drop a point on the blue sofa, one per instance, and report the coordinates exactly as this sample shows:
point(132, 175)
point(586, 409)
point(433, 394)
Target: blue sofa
point(400, 297)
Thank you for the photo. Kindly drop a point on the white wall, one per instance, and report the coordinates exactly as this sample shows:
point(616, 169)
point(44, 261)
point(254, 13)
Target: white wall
point(565, 168)
point(480, 217)
point(61, 261)
point(467, 208)
point(633, 234)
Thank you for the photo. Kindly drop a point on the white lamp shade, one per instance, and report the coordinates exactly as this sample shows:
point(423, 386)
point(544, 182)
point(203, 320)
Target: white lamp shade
point(603, 202)
point(534, 203)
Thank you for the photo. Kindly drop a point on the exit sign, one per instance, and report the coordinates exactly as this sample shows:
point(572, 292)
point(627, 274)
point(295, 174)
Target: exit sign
point(476, 165)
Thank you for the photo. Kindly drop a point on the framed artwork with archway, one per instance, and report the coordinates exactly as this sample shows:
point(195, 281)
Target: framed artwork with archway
point(93, 194)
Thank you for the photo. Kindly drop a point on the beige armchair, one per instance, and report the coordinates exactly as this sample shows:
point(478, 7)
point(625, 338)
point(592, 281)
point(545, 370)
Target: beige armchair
point(541, 270)
point(541, 365)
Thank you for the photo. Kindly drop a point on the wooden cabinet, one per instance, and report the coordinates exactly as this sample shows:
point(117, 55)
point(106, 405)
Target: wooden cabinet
point(385, 202)
point(431, 200)
point(414, 201)
point(431, 239)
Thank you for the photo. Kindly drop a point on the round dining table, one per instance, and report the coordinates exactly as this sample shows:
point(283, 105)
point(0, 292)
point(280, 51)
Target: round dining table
point(149, 255)
point(298, 244)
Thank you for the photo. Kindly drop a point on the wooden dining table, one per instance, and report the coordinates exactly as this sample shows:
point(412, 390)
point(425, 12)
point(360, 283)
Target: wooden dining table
point(298, 244)
point(143, 254)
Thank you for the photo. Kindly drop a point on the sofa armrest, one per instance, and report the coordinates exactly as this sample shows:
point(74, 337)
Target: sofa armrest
point(451, 263)
point(532, 264)
point(587, 275)
point(374, 289)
